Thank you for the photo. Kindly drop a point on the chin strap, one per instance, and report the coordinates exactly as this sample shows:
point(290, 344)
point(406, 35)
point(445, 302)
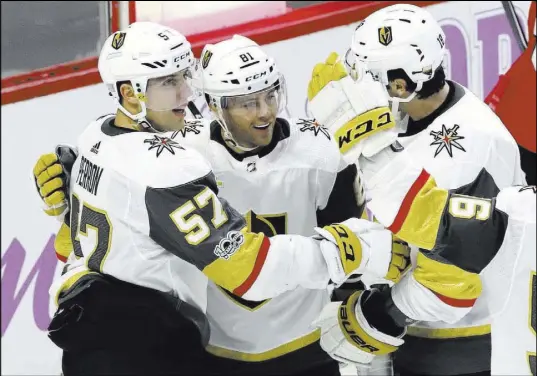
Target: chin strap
point(139, 118)
point(227, 136)
point(228, 139)
point(396, 100)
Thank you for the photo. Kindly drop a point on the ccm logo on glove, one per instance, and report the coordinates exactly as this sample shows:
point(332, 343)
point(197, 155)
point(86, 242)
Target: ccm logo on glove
point(349, 244)
point(363, 126)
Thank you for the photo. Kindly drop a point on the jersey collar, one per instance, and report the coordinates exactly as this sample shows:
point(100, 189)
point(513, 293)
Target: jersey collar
point(456, 92)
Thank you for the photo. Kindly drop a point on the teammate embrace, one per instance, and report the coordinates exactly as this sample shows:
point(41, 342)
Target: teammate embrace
point(212, 246)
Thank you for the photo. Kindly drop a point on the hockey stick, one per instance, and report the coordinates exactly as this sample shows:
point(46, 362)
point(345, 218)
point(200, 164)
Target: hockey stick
point(518, 31)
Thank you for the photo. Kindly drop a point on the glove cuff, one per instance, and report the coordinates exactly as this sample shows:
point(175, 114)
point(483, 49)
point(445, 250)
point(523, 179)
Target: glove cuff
point(57, 211)
point(359, 332)
point(371, 315)
point(331, 107)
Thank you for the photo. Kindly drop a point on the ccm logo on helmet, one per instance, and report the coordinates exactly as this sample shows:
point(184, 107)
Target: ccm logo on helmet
point(347, 327)
point(256, 76)
point(182, 57)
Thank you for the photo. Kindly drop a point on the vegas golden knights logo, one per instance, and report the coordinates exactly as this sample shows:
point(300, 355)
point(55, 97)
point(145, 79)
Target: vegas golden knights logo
point(385, 35)
point(206, 58)
point(118, 40)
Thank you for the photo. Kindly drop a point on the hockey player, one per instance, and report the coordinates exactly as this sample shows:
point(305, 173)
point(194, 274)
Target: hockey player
point(499, 234)
point(151, 202)
point(305, 182)
point(455, 137)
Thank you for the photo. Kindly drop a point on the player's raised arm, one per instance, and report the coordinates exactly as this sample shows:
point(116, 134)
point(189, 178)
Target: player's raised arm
point(192, 222)
point(189, 220)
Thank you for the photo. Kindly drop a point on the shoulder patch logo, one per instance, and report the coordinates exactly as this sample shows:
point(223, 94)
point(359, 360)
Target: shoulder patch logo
point(385, 35)
point(162, 143)
point(447, 139)
point(313, 126)
point(118, 40)
point(191, 126)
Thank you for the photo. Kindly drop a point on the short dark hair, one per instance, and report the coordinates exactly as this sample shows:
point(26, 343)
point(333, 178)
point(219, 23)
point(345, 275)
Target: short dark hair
point(433, 86)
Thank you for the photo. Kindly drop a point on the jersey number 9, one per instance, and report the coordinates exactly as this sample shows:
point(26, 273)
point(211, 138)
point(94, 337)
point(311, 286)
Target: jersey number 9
point(470, 207)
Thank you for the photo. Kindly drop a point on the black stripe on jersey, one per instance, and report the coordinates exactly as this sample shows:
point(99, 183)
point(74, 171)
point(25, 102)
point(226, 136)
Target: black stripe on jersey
point(342, 203)
point(471, 243)
point(110, 129)
point(482, 186)
point(456, 92)
point(162, 202)
point(282, 130)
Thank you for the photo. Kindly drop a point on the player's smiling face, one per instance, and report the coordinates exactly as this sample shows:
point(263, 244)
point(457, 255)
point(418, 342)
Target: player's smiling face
point(251, 118)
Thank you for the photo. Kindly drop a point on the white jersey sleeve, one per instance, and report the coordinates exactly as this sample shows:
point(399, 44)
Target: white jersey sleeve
point(467, 232)
point(466, 151)
point(192, 222)
point(496, 239)
point(499, 234)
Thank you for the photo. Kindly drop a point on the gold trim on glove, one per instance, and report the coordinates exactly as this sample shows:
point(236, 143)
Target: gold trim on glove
point(350, 248)
point(353, 332)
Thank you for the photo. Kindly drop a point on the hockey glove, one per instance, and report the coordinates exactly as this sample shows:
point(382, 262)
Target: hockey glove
point(400, 262)
point(51, 174)
point(354, 111)
point(47, 173)
point(362, 247)
point(358, 329)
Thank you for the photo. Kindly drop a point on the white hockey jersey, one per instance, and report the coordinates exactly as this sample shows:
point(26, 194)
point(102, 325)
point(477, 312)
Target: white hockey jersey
point(463, 140)
point(499, 232)
point(510, 284)
point(145, 210)
point(297, 182)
